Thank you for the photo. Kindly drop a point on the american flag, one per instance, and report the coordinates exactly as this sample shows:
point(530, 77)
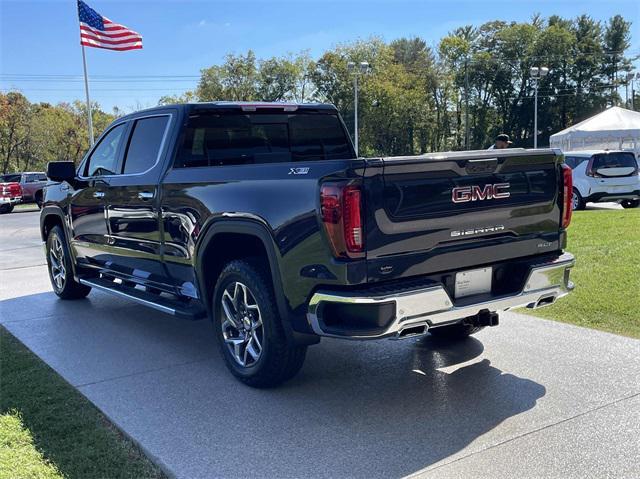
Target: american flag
point(100, 32)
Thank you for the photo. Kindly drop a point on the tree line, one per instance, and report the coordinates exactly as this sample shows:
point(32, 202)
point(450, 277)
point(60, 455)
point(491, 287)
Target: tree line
point(32, 134)
point(473, 85)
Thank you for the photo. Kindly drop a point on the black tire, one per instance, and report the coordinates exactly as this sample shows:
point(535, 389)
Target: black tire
point(6, 209)
point(38, 199)
point(59, 262)
point(278, 359)
point(577, 201)
point(630, 203)
point(455, 332)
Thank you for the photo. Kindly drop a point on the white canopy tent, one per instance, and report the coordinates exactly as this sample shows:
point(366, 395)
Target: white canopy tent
point(614, 129)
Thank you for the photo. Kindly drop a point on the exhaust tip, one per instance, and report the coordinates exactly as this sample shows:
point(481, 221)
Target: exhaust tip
point(549, 300)
point(411, 331)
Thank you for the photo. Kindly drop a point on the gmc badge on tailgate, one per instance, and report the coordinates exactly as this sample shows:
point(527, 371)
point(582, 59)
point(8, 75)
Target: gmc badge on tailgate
point(463, 194)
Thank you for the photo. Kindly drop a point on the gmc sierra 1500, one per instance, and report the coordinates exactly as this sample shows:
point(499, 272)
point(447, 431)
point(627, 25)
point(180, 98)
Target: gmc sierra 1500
point(260, 217)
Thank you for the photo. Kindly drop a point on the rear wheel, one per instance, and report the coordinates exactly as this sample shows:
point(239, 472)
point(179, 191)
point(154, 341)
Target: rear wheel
point(630, 203)
point(60, 267)
point(250, 333)
point(455, 332)
point(5, 209)
point(38, 199)
point(577, 202)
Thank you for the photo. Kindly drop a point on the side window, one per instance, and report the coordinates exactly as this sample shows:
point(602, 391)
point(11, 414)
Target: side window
point(144, 144)
point(578, 160)
point(570, 161)
point(103, 160)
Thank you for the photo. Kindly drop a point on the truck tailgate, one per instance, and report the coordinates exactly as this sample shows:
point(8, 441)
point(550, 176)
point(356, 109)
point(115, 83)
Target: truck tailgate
point(457, 210)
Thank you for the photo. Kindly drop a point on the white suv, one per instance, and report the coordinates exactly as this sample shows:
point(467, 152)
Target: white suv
point(604, 175)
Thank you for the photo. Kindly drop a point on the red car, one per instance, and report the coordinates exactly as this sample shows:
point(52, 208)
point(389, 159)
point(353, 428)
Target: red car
point(32, 184)
point(10, 195)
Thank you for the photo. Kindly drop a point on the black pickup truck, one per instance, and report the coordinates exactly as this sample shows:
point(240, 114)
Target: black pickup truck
point(261, 217)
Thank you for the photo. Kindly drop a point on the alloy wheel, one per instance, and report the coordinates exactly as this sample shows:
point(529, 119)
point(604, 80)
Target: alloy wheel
point(56, 258)
point(242, 327)
point(575, 201)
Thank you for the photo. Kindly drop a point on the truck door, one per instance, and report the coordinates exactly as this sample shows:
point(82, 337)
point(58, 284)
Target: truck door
point(89, 237)
point(132, 204)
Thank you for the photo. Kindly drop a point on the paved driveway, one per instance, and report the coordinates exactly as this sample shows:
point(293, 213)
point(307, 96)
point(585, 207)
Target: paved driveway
point(528, 398)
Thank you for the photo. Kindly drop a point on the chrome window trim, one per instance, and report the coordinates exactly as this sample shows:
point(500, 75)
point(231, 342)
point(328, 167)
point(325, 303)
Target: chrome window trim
point(133, 120)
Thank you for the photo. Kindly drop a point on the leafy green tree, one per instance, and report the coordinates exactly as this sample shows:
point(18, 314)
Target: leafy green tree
point(235, 80)
point(33, 134)
point(617, 39)
point(15, 115)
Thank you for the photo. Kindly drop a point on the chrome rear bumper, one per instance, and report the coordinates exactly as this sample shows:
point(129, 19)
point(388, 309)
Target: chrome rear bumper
point(432, 307)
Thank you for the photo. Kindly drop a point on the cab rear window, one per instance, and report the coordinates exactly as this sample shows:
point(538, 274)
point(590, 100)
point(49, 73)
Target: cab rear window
point(238, 139)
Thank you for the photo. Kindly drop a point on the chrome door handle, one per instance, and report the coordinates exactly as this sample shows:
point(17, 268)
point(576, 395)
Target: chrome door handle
point(145, 195)
point(98, 194)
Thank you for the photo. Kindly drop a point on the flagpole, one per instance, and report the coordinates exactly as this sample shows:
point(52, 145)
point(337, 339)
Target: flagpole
point(86, 90)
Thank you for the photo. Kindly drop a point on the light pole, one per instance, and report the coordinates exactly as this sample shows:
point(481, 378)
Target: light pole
point(631, 78)
point(537, 73)
point(628, 80)
point(361, 69)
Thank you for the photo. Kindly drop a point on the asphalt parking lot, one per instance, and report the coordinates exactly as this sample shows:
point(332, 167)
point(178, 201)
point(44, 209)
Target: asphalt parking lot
point(529, 398)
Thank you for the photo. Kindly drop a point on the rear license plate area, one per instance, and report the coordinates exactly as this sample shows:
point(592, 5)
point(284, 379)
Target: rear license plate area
point(474, 281)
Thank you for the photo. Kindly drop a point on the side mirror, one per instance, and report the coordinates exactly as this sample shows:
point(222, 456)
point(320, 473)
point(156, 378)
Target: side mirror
point(61, 171)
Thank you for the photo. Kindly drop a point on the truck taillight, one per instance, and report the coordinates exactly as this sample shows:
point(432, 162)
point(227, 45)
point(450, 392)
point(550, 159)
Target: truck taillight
point(567, 195)
point(341, 210)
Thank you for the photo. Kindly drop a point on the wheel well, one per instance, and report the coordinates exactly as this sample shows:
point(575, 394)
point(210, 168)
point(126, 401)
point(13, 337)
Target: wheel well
point(225, 247)
point(49, 222)
point(38, 194)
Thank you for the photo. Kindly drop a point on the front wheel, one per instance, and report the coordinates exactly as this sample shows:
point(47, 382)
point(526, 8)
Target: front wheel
point(630, 203)
point(6, 209)
point(60, 267)
point(250, 333)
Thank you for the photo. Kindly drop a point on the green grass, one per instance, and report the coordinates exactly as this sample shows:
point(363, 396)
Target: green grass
point(27, 206)
point(19, 457)
point(606, 244)
point(48, 429)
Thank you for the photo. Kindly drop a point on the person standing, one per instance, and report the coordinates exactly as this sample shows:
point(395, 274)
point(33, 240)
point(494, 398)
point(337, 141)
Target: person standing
point(502, 141)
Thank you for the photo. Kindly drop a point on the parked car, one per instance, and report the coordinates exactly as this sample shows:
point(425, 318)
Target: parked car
point(604, 175)
point(10, 195)
point(262, 218)
point(32, 184)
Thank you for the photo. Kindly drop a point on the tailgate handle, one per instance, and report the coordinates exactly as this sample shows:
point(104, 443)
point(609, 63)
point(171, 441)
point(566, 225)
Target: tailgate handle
point(481, 166)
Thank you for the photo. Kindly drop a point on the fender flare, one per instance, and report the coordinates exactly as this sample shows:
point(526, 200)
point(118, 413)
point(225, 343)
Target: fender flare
point(253, 228)
point(259, 230)
point(48, 211)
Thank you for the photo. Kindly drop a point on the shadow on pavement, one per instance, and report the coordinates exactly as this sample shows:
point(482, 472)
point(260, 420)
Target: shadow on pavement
point(357, 409)
point(423, 408)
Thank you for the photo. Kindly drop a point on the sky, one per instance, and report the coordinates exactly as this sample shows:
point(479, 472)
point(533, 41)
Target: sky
point(181, 37)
